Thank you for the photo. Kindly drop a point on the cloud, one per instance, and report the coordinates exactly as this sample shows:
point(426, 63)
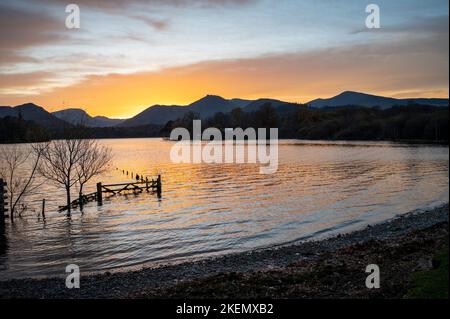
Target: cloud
point(386, 69)
point(120, 4)
point(417, 94)
point(23, 28)
point(157, 24)
point(12, 57)
point(431, 25)
point(30, 81)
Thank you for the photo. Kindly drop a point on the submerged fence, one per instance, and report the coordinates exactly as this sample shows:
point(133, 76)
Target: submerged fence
point(140, 185)
point(153, 185)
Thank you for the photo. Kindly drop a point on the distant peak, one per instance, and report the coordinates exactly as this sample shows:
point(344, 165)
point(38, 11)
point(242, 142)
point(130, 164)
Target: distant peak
point(29, 104)
point(72, 109)
point(354, 93)
point(212, 96)
point(210, 100)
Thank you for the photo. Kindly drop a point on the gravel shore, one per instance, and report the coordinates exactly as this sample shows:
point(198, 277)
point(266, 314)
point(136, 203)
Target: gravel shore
point(313, 269)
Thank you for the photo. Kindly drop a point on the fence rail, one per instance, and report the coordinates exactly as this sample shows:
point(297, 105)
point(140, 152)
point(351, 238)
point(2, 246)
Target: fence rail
point(153, 185)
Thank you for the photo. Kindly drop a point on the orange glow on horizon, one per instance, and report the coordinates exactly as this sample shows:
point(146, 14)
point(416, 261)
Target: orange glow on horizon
point(125, 95)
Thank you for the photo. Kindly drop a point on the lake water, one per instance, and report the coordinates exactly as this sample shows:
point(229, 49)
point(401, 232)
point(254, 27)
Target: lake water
point(320, 188)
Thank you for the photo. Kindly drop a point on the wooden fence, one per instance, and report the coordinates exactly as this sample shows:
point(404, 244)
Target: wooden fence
point(153, 185)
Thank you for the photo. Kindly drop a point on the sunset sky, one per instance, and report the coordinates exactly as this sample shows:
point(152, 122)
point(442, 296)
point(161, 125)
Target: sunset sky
point(129, 55)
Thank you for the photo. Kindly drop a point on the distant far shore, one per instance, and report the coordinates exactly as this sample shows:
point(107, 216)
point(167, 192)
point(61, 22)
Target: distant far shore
point(423, 123)
point(399, 141)
point(410, 251)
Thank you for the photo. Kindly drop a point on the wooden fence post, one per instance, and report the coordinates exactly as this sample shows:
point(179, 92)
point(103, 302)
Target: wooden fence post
point(3, 203)
point(99, 194)
point(158, 186)
point(43, 209)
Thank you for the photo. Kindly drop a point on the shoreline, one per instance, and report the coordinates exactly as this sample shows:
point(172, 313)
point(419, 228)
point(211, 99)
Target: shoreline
point(444, 143)
point(189, 279)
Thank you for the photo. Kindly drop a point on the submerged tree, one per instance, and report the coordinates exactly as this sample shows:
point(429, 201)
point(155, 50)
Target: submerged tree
point(73, 161)
point(18, 167)
point(59, 160)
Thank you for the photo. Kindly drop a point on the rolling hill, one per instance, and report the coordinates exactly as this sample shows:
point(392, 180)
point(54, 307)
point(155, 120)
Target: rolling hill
point(348, 98)
point(33, 113)
point(206, 107)
point(254, 106)
point(79, 116)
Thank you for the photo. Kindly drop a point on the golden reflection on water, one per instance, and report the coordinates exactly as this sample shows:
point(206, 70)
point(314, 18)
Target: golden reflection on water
point(319, 189)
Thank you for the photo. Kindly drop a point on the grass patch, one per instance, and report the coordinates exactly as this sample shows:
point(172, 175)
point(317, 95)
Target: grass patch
point(432, 284)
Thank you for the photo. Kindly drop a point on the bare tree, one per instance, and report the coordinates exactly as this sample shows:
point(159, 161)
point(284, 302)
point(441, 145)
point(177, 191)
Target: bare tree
point(71, 161)
point(93, 162)
point(18, 166)
point(60, 158)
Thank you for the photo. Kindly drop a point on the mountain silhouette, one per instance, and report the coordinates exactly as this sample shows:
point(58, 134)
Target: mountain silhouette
point(349, 98)
point(78, 116)
point(210, 105)
point(33, 113)
point(255, 105)
point(205, 107)
point(240, 102)
point(161, 114)
point(156, 114)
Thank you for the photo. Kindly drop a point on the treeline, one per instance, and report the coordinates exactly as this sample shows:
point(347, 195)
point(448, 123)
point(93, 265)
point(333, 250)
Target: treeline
point(412, 122)
point(17, 130)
